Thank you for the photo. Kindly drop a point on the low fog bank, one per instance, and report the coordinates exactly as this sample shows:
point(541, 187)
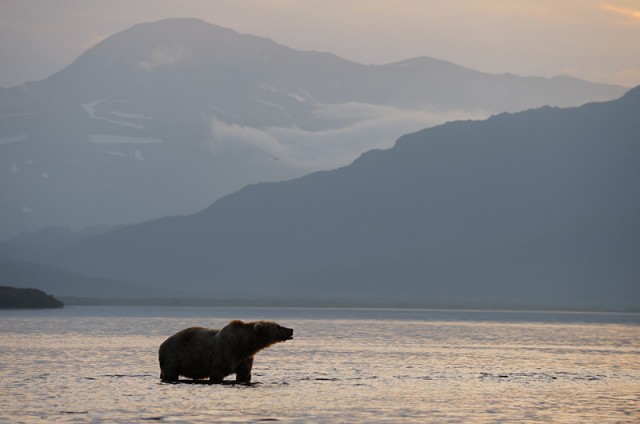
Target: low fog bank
point(332, 137)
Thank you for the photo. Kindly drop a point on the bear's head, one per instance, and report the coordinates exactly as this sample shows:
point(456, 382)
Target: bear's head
point(273, 331)
point(257, 335)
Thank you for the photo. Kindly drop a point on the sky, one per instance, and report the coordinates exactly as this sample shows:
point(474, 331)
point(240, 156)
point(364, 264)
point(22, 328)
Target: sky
point(598, 40)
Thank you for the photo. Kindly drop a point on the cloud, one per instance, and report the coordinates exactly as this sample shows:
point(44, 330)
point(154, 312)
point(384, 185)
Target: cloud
point(333, 137)
point(630, 13)
point(233, 137)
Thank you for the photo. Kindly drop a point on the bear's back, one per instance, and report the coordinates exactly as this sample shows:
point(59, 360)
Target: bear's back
point(191, 338)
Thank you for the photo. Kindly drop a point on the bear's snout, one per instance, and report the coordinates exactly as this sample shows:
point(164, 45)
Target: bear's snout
point(285, 333)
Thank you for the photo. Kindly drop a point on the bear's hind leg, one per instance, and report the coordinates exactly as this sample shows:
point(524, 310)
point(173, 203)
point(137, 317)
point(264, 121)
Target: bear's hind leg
point(169, 375)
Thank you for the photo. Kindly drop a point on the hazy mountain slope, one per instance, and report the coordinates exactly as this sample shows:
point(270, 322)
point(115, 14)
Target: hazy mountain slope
point(165, 117)
point(539, 208)
point(62, 283)
point(40, 246)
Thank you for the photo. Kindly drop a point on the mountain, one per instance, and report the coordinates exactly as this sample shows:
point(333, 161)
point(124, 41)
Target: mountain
point(39, 246)
point(535, 209)
point(63, 283)
point(165, 117)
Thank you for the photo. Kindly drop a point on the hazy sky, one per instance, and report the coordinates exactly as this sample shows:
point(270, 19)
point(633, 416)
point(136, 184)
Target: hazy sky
point(594, 39)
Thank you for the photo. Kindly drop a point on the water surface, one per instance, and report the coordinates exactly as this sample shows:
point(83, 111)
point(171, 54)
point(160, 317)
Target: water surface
point(97, 364)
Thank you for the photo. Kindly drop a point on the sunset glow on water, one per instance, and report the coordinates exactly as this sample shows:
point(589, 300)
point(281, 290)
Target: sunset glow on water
point(100, 364)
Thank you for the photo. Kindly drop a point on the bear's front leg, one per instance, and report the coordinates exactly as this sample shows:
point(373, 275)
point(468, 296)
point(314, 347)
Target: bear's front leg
point(243, 372)
point(216, 378)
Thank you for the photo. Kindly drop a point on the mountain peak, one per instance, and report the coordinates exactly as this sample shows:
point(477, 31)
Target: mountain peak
point(424, 62)
point(176, 26)
point(221, 108)
point(153, 45)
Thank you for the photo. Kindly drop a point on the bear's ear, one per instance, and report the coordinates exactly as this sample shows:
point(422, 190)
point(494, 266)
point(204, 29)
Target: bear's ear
point(257, 326)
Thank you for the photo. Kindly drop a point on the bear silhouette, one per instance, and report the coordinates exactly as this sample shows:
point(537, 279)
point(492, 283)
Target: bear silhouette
point(200, 353)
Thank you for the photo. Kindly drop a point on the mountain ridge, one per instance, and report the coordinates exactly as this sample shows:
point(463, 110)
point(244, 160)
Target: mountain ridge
point(165, 117)
point(534, 209)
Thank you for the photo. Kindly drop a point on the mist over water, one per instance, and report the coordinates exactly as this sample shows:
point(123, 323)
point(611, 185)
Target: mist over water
point(86, 364)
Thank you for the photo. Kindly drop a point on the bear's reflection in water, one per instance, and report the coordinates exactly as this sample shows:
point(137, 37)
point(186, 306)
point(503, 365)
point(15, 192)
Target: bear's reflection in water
point(203, 353)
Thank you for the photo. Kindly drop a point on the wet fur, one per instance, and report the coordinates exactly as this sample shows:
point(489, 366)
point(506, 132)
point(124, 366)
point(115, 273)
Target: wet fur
point(200, 353)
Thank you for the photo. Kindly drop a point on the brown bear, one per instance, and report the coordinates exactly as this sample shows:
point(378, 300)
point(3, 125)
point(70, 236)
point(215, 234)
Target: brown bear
point(200, 353)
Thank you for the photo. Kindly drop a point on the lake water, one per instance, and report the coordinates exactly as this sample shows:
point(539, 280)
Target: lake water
point(99, 364)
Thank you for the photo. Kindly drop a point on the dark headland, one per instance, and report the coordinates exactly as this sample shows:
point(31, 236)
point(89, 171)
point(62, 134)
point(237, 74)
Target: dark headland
point(18, 298)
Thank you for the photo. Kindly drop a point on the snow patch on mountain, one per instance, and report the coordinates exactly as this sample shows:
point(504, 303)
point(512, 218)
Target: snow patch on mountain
point(224, 112)
point(277, 106)
point(129, 115)
point(164, 56)
point(90, 108)
point(121, 139)
point(297, 97)
point(17, 115)
point(12, 139)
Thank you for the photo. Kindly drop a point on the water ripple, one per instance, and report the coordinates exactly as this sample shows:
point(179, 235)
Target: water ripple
point(356, 367)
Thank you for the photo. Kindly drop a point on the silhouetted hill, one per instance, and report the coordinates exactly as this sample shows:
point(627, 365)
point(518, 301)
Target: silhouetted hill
point(165, 117)
point(14, 298)
point(535, 209)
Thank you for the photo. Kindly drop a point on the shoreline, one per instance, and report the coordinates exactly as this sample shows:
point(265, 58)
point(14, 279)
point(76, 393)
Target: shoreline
point(327, 304)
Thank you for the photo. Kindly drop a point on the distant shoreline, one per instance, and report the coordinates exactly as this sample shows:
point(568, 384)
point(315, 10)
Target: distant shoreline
point(27, 298)
point(308, 303)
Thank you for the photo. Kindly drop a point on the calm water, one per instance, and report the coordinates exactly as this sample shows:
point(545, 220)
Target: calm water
point(97, 364)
